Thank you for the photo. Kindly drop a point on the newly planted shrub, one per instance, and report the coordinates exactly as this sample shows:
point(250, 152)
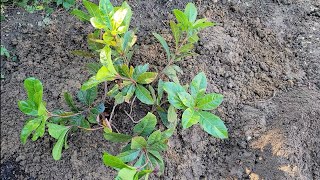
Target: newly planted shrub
point(112, 39)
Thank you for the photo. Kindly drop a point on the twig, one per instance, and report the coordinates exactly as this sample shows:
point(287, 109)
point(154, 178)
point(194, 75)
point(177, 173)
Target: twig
point(115, 128)
point(112, 112)
point(66, 116)
point(134, 98)
point(89, 129)
point(131, 118)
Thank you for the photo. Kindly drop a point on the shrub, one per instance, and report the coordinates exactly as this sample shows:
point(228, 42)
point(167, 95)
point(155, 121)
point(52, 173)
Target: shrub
point(112, 39)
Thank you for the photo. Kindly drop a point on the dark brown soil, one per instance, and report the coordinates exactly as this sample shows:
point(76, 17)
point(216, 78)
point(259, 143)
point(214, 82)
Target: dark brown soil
point(264, 56)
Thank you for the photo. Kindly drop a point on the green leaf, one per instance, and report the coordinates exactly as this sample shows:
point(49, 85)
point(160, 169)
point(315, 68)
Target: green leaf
point(94, 112)
point(39, 132)
point(181, 17)
point(28, 107)
point(119, 98)
point(147, 77)
point(92, 8)
point(202, 23)
point(209, 101)
point(189, 118)
point(213, 125)
point(34, 90)
point(56, 130)
point(4, 51)
point(105, 6)
point(144, 95)
point(173, 89)
point(114, 91)
point(88, 96)
point(130, 92)
point(176, 32)
point(116, 137)
point(144, 172)
point(113, 161)
point(119, 16)
point(126, 38)
point(170, 71)
point(160, 91)
point(141, 161)
point(163, 114)
point(153, 92)
point(127, 174)
point(186, 48)
point(159, 146)
point(28, 128)
point(155, 137)
point(129, 156)
point(80, 14)
point(138, 70)
point(124, 70)
point(156, 160)
point(146, 125)
point(138, 142)
point(104, 74)
point(186, 99)
point(168, 133)
point(79, 120)
point(42, 111)
point(191, 12)
point(93, 68)
point(198, 85)
point(105, 56)
point(69, 100)
point(127, 19)
point(92, 82)
point(163, 43)
point(97, 23)
point(193, 39)
point(57, 149)
point(172, 114)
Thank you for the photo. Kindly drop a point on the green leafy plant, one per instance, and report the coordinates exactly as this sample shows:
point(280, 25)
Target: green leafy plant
point(124, 83)
point(32, 6)
point(4, 51)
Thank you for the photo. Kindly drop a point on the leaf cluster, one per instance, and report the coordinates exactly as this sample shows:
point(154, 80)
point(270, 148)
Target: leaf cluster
point(58, 122)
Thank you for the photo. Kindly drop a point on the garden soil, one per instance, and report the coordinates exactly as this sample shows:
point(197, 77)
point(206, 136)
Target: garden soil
point(262, 55)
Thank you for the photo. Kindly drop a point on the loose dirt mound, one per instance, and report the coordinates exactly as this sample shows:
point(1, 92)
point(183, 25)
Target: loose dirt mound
point(262, 55)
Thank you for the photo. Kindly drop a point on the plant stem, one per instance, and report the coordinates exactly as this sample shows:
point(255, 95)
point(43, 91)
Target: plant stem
point(171, 60)
point(182, 43)
point(90, 129)
point(127, 79)
point(62, 116)
point(131, 118)
point(112, 112)
point(134, 98)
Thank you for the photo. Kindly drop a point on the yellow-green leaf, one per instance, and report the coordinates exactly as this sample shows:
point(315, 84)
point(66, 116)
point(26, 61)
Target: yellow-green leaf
point(209, 101)
point(147, 77)
point(189, 118)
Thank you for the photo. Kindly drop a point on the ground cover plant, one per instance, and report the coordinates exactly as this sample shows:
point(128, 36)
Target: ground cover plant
point(124, 83)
